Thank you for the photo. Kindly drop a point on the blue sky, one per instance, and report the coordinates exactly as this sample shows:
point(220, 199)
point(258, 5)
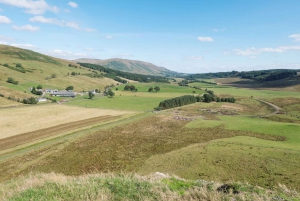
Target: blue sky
point(193, 36)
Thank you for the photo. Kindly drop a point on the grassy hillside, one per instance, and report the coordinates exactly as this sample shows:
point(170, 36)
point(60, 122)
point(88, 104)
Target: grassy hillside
point(41, 69)
point(131, 66)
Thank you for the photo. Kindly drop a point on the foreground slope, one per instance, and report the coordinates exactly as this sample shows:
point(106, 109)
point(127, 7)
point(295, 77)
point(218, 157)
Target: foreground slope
point(134, 187)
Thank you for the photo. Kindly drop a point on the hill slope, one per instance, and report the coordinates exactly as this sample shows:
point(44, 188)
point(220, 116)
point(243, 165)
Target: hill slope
point(131, 66)
point(30, 68)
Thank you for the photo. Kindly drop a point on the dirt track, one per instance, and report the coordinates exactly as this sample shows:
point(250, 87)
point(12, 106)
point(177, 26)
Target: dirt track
point(277, 109)
point(24, 138)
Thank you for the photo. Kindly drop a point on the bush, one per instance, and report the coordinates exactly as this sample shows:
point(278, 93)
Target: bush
point(70, 88)
point(31, 100)
point(12, 81)
point(1, 95)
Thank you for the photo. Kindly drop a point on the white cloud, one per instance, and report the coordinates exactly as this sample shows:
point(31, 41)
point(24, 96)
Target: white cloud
point(205, 39)
point(6, 39)
point(1, 10)
point(194, 58)
point(125, 55)
point(34, 7)
point(27, 27)
point(256, 51)
point(73, 4)
point(219, 30)
point(90, 30)
point(296, 37)
point(54, 21)
point(25, 46)
point(66, 54)
point(4, 20)
point(89, 50)
point(109, 37)
point(73, 25)
point(67, 10)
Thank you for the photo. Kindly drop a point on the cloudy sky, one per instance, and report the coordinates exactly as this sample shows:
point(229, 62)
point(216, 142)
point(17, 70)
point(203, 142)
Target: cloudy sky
point(193, 36)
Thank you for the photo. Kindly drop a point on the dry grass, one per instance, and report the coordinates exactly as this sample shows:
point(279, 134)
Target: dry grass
point(7, 92)
point(130, 187)
point(8, 103)
point(18, 120)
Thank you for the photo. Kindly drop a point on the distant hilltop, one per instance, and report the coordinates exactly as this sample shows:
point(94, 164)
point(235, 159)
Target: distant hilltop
point(131, 66)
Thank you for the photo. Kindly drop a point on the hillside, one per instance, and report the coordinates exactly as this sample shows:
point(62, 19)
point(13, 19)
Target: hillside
point(30, 68)
point(131, 66)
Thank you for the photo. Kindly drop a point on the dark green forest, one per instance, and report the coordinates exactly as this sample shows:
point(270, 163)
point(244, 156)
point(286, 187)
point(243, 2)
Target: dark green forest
point(115, 74)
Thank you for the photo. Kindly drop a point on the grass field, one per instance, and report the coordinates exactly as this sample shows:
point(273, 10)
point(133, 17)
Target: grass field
point(142, 100)
point(211, 141)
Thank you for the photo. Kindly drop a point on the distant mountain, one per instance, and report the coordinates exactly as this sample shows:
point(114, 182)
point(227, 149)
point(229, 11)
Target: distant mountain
point(131, 66)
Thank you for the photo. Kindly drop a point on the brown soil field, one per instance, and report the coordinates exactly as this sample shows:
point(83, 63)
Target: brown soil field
point(24, 138)
point(18, 120)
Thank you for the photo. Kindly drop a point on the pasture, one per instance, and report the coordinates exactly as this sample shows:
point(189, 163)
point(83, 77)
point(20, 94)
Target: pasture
point(142, 100)
point(212, 141)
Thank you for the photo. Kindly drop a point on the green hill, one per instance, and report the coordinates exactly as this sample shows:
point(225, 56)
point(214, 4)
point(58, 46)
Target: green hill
point(131, 66)
point(30, 68)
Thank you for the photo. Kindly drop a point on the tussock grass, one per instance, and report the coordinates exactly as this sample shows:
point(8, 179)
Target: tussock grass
point(126, 148)
point(130, 187)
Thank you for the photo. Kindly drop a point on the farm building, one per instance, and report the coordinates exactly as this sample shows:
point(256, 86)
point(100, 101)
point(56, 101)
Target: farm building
point(42, 100)
point(64, 93)
point(51, 90)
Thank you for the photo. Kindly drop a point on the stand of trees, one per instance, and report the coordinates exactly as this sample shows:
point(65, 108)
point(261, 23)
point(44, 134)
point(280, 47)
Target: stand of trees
point(12, 81)
point(157, 88)
point(189, 99)
point(268, 75)
point(34, 91)
point(31, 100)
point(113, 74)
point(259, 75)
point(109, 93)
point(176, 102)
point(130, 88)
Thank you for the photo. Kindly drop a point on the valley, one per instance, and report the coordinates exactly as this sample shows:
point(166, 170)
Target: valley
point(246, 140)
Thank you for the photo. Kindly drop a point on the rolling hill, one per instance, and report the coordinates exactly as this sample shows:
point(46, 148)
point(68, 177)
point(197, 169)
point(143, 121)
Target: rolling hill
point(131, 66)
point(30, 68)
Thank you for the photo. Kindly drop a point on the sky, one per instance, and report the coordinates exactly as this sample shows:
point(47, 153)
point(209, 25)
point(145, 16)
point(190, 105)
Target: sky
point(189, 36)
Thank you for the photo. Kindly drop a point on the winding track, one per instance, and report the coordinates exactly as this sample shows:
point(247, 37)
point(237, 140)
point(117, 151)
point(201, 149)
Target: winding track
point(277, 108)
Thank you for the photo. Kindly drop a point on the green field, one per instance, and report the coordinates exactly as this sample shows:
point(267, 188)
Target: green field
point(222, 141)
point(142, 100)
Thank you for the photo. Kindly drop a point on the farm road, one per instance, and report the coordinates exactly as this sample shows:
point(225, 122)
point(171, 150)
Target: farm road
point(277, 108)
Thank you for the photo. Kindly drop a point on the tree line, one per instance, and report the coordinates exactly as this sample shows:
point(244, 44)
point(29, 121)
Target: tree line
point(258, 75)
point(208, 97)
point(176, 102)
point(113, 74)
